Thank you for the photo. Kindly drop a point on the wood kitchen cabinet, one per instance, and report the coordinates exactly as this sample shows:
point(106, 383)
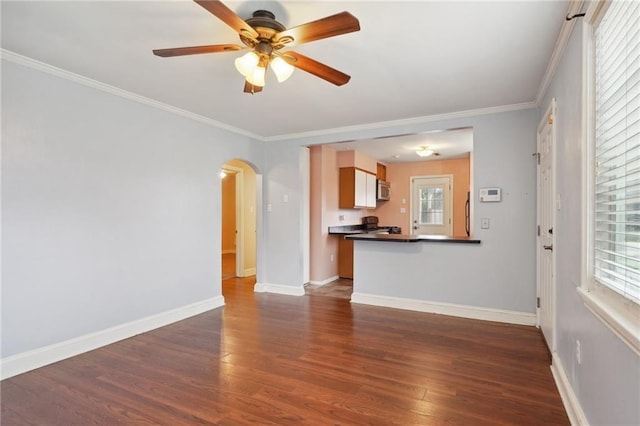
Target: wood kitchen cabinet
point(381, 172)
point(357, 189)
point(345, 258)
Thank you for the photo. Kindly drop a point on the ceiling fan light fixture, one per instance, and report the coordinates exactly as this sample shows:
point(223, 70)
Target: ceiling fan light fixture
point(281, 69)
point(424, 151)
point(257, 76)
point(247, 64)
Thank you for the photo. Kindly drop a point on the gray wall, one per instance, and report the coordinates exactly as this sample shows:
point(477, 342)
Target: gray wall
point(110, 209)
point(505, 262)
point(607, 382)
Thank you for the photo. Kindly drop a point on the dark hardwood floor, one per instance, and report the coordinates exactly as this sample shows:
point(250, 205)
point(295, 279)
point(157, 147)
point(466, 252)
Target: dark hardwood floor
point(273, 359)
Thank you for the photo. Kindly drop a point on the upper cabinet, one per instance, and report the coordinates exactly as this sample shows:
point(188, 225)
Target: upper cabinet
point(381, 171)
point(357, 188)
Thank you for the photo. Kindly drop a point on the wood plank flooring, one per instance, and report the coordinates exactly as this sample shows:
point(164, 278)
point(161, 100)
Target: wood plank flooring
point(273, 359)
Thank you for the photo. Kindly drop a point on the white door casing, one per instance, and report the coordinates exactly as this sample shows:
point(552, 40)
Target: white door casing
point(431, 205)
point(545, 258)
point(239, 242)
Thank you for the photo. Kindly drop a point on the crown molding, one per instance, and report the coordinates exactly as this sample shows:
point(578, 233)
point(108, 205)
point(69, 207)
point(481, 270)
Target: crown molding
point(403, 122)
point(85, 81)
point(59, 72)
point(558, 50)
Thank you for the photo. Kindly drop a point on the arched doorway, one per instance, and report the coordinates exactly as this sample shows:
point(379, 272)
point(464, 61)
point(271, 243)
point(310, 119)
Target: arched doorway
point(239, 219)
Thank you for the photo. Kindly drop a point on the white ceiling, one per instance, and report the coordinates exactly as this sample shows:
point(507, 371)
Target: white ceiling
point(411, 59)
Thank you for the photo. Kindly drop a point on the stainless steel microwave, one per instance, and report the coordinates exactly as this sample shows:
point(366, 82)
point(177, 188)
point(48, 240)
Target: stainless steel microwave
point(383, 192)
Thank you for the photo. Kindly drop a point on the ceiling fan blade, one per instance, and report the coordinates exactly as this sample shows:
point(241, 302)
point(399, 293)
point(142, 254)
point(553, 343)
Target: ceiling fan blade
point(334, 25)
point(316, 68)
point(250, 88)
point(195, 50)
point(229, 17)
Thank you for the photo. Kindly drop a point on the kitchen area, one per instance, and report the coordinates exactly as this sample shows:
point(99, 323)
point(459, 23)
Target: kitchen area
point(355, 194)
point(344, 199)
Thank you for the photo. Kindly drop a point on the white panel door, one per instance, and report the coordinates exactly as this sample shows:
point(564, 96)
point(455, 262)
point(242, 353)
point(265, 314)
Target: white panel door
point(544, 250)
point(431, 203)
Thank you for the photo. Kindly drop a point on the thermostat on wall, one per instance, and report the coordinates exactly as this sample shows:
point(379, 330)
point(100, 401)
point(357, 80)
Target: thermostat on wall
point(490, 195)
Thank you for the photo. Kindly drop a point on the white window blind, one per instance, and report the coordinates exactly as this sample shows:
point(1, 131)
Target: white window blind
point(616, 257)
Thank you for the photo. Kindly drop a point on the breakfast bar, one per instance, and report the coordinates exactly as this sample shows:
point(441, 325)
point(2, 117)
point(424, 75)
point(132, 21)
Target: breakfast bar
point(432, 273)
point(401, 238)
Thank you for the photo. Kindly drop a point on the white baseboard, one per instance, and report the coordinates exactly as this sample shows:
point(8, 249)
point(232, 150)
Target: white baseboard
point(569, 399)
point(249, 272)
point(323, 282)
point(473, 312)
point(279, 289)
point(30, 360)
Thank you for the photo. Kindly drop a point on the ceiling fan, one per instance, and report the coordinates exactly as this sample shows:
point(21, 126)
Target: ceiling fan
point(265, 37)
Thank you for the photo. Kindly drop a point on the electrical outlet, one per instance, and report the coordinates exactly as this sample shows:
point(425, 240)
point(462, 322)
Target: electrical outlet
point(578, 352)
point(341, 218)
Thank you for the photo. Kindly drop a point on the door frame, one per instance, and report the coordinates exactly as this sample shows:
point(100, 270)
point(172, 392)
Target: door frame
point(548, 119)
point(450, 206)
point(239, 213)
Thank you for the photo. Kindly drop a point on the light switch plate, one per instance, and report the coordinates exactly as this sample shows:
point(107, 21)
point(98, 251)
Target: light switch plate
point(484, 223)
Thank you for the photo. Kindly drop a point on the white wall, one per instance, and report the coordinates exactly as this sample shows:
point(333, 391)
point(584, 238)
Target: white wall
point(110, 209)
point(607, 382)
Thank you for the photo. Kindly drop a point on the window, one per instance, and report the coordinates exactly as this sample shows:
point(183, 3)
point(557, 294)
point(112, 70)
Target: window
point(617, 150)
point(613, 193)
point(431, 206)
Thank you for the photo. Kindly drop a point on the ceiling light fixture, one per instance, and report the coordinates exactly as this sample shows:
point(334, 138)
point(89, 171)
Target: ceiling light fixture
point(424, 151)
point(253, 66)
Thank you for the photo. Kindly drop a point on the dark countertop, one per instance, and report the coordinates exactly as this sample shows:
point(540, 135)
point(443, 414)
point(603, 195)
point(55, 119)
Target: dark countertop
point(402, 238)
point(355, 229)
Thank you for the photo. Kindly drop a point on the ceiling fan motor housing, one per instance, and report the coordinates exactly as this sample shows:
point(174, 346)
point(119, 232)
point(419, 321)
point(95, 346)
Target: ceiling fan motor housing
point(265, 24)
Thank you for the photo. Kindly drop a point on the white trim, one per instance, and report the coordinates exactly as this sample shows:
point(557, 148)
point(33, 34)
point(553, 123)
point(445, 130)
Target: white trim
point(77, 78)
point(248, 272)
point(304, 159)
point(403, 122)
point(325, 282)
point(30, 360)
point(621, 316)
point(569, 399)
point(278, 289)
point(50, 69)
point(239, 216)
point(625, 323)
point(464, 311)
point(556, 56)
point(551, 111)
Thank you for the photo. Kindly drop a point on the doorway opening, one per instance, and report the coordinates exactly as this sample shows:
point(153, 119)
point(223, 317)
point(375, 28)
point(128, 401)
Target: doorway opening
point(238, 219)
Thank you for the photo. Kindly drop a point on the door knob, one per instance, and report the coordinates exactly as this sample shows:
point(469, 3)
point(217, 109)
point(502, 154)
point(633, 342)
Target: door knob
point(548, 247)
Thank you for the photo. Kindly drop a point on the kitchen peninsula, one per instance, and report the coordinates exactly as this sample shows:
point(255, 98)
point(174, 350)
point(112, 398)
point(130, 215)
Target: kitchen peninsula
point(428, 273)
